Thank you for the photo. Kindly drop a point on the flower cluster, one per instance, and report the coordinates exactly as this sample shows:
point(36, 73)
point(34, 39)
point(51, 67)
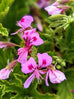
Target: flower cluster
point(44, 66)
point(44, 61)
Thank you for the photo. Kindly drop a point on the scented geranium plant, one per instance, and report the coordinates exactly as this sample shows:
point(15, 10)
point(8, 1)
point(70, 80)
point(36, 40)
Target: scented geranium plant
point(36, 49)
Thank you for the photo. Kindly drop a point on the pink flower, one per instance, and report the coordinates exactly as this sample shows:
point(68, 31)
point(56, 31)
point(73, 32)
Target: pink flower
point(32, 38)
point(55, 76)
point(6, 44)
point(27, 34)
point(24, 23)
point(4, 73)
point(31, 67)
point(22, 52)
point(44, 59)
point(43, 3)
point(53, 9)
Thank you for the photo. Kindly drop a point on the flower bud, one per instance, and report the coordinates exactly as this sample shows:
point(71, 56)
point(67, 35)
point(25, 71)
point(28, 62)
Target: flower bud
point(64, 1)
point(58, 67)
point(6, 44)
point(4, 73)
point(55, 57)
point(63, 63)
point(58, 60)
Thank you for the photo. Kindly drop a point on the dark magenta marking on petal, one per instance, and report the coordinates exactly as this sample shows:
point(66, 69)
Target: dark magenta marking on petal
point(44, 62)
point(30, 67)
point(22, 20)
point(34, 38)
point(26, 33)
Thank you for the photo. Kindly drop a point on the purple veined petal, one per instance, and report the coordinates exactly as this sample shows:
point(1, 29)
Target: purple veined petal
point(46, 79)
point(56, 76)
point(25, 21)
point(29, 66)
point(22, 52)
point(4, 73)
point(44, 60)
point(29, 80)
point(36, 40)
point(23, 57)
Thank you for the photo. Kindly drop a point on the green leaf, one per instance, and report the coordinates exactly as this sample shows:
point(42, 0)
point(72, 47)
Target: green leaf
point(60, 21)
point(3, 30)
point(2, 88)
point(64, 91)
point(4, 7)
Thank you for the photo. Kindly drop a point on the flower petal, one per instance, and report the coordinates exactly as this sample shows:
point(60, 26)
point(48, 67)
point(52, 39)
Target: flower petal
point(22, 52)
point(44, 60)
point(4, 73)
point(29, 66)
point(25, 21)
point(35, 39)
point(27, 33)
point(28, 81)
point(46, 79)
point(56, 76)
point(53, 10)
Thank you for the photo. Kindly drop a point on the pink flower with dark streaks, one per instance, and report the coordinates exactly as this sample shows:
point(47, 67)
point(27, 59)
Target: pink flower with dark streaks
point(31, 67)
point(22, 52)
point(24, 23)
point(32, 38)
point(55, 76)
point(5, 72)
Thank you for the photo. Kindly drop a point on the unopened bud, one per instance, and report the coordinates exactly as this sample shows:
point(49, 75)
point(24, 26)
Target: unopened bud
point(58, 60)
point(55, 57)
point(58, 67)
point(6, 44)
point(64, 7)
point(63, 64)
point(64, 1)
point(11, 65)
